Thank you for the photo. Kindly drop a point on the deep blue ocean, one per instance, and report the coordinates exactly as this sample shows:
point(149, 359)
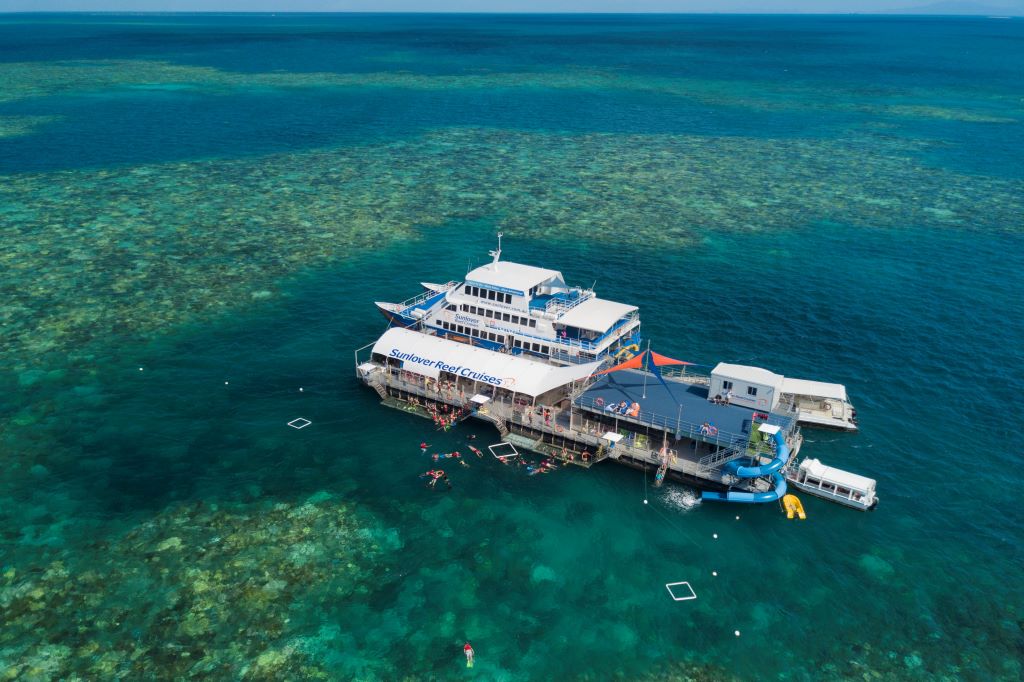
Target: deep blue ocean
point(197, 213)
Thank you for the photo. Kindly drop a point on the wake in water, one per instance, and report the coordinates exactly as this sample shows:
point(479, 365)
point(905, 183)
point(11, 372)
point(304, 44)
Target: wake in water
point(680, 498)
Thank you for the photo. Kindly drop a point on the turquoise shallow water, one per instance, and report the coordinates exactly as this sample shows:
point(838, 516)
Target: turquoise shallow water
point(198, 213)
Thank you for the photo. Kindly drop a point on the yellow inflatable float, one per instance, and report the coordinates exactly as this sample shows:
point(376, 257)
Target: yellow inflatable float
point(793, 505)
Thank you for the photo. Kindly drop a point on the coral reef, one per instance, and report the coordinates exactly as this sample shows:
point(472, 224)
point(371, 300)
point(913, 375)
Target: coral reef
point(198, 591)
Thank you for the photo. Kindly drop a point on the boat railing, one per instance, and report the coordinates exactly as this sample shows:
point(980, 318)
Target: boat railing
point(560, 306)
point(676, 425)
point(427, 295)
point(681, 374)
point(570, 343)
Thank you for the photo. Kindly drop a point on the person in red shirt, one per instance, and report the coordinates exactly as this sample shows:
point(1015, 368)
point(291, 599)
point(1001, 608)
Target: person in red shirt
point(468, 650)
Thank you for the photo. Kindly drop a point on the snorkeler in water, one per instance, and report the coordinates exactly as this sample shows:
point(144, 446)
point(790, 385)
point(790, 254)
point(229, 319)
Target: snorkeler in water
point(436, 475)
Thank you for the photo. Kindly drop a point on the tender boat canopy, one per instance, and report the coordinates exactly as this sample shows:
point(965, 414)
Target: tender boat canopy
point(854, 482)
point(595, 314)
point(816, 389)
point(423, 354)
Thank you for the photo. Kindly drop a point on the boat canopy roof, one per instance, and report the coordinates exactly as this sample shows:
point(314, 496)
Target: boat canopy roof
point(430, 355)
point(839, 477)
point(754, 375)
point(595, 314)
point(814, 388)
point(512, 277)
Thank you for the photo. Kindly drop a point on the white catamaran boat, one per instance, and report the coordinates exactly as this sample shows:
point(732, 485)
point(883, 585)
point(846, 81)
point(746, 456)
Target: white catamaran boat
point(521, 310)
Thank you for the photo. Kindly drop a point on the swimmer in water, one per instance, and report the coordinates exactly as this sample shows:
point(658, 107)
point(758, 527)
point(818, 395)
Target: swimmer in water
point(424, 446)
point(468, 650)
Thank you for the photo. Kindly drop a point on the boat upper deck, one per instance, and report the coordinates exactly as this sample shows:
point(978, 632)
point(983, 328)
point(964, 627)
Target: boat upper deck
point(676, 406)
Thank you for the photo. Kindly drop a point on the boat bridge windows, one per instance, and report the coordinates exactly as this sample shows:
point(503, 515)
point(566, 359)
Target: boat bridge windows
point(488, 294)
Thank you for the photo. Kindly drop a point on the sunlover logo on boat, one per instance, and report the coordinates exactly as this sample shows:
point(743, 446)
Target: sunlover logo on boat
point(461, 371)
point(466, 319)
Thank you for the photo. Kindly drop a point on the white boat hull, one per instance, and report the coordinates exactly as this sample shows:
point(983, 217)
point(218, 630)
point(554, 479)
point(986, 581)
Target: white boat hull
point(861, 505)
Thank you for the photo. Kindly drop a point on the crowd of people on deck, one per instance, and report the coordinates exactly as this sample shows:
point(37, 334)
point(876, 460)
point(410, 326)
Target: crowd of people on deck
point(624, 408)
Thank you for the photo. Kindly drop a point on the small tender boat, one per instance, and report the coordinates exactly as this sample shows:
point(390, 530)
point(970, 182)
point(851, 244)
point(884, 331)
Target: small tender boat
point(834, 484)
point(793, 507)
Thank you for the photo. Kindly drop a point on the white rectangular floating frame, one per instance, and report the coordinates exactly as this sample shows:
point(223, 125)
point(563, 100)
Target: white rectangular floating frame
point(497, 446)
point(685, 597)
point(299, 423)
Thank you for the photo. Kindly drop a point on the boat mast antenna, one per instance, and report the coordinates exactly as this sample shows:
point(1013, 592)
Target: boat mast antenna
point(496, 253)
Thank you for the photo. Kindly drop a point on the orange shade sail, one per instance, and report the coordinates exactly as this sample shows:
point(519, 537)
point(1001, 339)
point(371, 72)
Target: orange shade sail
point(640, 362)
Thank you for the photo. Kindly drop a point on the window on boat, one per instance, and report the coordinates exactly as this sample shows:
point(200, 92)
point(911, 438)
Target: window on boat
point(533, 323)
point(467, 289)
point(501, 339)
point(751, 390)
point(545, 350)
point(505, 317)
point(812, 481)
point(726, 385)
point(489, 313)
point(452, 308)
point(845, 492)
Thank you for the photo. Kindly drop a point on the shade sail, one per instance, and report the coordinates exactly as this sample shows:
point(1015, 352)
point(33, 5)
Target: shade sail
point(644, 361)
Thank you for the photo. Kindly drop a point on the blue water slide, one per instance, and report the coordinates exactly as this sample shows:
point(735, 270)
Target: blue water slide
point(773, 469)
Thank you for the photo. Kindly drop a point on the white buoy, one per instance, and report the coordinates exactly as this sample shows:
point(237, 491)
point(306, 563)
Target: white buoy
point(714, 573)
point(140, 369)
point(225, 383)
point(715, 536)
point(645, 501)
point(737, 518)
point(300, 391)
point(737, 633)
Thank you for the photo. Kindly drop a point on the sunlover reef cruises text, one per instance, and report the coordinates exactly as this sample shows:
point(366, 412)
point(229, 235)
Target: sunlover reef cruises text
point(451, 369)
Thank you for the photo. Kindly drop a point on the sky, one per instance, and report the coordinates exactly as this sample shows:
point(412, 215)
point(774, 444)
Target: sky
point(1015, 7)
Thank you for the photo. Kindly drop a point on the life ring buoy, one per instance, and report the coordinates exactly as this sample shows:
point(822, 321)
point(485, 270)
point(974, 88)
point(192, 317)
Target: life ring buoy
point(826, 406)
point(599, 402)
point(559, 428)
